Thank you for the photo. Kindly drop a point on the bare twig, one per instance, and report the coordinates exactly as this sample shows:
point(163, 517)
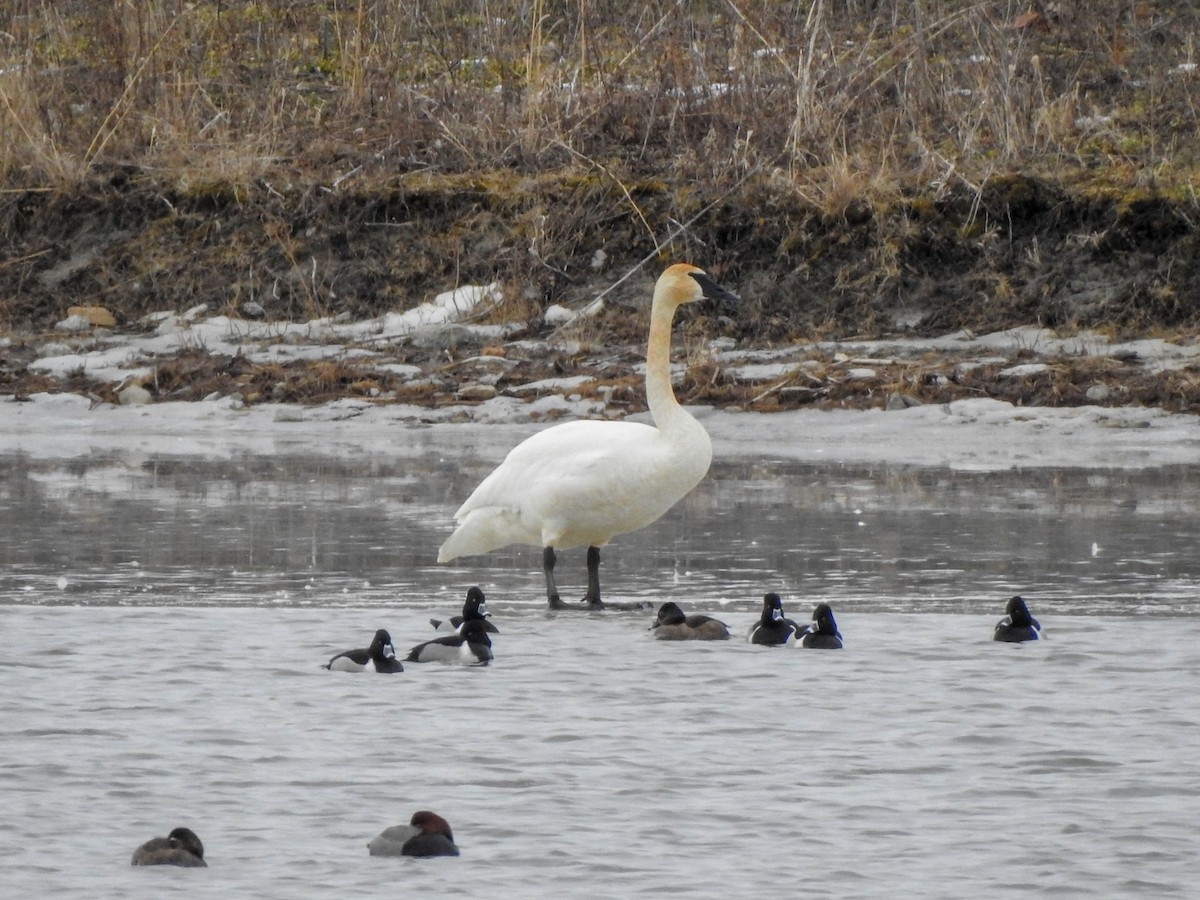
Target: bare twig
point(624, 190)
point(599, 300)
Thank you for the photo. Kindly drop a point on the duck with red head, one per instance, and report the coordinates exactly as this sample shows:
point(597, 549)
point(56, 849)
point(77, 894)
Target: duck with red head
point(580, 484)
point(428, 834)
point(674, 625)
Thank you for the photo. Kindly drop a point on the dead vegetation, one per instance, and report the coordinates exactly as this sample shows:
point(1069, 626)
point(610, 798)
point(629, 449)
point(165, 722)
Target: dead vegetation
point(855, 168)
point(812, 376)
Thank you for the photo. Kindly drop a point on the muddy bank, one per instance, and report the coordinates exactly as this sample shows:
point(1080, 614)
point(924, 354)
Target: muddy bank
point(1021, 251)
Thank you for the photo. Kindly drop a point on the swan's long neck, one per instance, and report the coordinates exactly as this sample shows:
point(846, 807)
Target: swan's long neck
point(664, 408)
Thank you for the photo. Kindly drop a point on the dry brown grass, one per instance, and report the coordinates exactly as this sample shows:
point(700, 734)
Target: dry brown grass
point(848, 97)
point(841, 160)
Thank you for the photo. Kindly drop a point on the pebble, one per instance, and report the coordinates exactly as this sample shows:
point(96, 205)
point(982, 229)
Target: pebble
point(74, 324)
point(557, 315)
point(1023, 370)
point(902, 401)
point(442, 337)
point(96, 315)
point(134, 395)
point(476, 392)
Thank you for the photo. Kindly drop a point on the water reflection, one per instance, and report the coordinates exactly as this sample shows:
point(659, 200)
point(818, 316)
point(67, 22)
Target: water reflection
point(305, 530)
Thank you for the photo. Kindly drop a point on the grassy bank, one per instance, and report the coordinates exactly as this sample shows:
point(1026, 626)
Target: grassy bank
point(852, 166)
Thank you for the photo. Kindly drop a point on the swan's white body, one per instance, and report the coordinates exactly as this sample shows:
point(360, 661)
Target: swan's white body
point(579, 484)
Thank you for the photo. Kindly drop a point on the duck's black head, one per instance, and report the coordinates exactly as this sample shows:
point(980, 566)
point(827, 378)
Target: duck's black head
point(772, 608)
point(826, 624)
point(1018, 612)
point(475, 607)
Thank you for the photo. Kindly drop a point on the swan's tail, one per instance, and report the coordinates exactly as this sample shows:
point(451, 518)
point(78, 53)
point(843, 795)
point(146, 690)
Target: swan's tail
point(484, 530)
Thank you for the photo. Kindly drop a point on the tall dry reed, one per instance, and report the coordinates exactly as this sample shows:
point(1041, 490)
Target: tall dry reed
point(834, 98)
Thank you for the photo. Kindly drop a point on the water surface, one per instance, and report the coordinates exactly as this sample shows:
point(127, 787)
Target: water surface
point(163, 621)
point(309, 530)
point(590, 760)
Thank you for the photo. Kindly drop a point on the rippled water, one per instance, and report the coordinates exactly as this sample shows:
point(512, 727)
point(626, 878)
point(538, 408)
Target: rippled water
point(163, 622)
point(310, 530)
point(589, 760)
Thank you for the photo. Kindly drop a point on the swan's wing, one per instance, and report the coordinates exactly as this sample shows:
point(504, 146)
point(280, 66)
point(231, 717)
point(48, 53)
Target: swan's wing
point(578, 484)
point(570, 463)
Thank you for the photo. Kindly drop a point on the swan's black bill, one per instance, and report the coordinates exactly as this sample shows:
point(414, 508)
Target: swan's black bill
point(713, 291)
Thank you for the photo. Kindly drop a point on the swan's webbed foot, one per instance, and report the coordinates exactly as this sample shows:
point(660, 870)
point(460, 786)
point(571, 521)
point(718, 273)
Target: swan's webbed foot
point(591, 600)
point(624, 606)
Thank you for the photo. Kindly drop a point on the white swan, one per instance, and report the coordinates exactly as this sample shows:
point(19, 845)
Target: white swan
point(579, 484)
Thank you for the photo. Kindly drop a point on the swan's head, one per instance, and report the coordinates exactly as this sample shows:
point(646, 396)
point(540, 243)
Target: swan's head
point(684, 283)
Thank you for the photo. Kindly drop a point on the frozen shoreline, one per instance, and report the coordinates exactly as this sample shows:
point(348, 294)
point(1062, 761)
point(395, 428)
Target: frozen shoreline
point(978, 433)
point(983, 435)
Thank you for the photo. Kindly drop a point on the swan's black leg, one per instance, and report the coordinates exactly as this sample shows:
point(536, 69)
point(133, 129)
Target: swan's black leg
point(548, 561)
point(592, 597)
